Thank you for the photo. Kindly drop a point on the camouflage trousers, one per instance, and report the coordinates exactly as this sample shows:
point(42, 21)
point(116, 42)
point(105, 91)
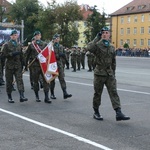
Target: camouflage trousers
point(10, 74)
point(111, 85)
point(36, 73)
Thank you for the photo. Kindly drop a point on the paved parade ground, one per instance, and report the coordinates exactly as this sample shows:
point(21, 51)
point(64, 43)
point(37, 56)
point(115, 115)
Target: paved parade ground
point(69, 124)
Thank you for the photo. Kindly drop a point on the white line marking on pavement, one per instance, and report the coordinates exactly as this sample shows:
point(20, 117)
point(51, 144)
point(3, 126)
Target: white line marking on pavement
point(79, 138)
point(124, 90)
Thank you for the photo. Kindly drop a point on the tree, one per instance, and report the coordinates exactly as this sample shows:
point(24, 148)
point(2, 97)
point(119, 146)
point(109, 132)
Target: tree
point(94, 23)
point(28, 11)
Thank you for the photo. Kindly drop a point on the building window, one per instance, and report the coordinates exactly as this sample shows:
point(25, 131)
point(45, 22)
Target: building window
point(134, 42)
point(149, 30)
point(148, 42)
point(121, 42)
point(122, 20)
point(142, 18)
point(135, 30)
point(122, 31)
point(135, 18)
point(142, 42)
point(128, 30)
point(128, 41)
point(128, 19)
point(142, 30)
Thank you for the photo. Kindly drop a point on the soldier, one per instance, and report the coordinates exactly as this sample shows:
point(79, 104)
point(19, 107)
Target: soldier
point(78, 59)
point(68, 57)
point(90, 58)
point(12, 50)
point(83, 52)
point(31, 53)
point(73, 59)
point(104, 73)
point(58, 49)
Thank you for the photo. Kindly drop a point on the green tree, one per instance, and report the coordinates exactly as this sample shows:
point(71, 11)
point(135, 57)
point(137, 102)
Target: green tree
point(28, 11)
point(94, 23)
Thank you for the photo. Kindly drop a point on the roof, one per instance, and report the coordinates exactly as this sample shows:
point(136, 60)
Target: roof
point(134, 7)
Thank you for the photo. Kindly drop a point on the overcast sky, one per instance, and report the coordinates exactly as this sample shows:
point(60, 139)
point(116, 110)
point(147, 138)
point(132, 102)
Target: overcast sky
point(110, 6)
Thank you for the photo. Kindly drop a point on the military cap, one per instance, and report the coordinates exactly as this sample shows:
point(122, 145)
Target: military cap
point(105, 29)
point(36, 33)
point(13, 32)
point(56, 36)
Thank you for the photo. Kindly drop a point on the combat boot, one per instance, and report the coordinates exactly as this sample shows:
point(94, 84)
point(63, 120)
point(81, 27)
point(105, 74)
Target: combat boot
point(120, 116)
point(10, 100)
point(22, 98)
point(52, 95)
point(97, 115)
point(37, 96)
point(47, 100)
point(66, 95)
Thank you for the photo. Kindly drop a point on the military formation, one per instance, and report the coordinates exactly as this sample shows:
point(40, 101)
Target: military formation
point(101, 58)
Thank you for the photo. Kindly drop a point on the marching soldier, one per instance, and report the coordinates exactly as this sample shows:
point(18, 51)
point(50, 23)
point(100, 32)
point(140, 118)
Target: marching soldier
point(12, 50)
point(90, 58)
point(58, 49)
point(78, 59)
point(68, 57)
point(31, 53)
point(104, 73)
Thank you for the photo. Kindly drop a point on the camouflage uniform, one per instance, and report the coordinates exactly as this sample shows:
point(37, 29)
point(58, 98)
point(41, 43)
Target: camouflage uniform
point(90, 59)
point(68, 57)
point(104, 74)
point(78, 59)
point(12, 50)
point(73, 59)
point(83, 52)
point(31, 53)
point(59, 54)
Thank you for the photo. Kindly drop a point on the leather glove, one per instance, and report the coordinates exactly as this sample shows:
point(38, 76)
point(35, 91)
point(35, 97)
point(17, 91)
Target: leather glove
point(16, 53)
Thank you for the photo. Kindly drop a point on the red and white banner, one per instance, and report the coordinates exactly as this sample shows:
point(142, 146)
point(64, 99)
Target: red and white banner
point(48, 63)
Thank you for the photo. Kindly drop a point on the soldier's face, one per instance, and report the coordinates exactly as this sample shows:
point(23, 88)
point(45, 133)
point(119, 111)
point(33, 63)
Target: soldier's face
point(38, 37)
point(14, 36)
point(105, 35)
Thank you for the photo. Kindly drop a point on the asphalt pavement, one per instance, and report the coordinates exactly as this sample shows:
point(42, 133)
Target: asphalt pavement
point(69, 124)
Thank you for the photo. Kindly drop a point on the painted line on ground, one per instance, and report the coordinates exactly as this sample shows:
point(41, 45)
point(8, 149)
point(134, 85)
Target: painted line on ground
point(79, 138)
point(124, 90)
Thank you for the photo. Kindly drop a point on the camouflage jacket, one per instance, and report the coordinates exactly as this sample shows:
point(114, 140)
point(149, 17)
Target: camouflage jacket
point(31, 54)
point(105, 58)
point(12, 62)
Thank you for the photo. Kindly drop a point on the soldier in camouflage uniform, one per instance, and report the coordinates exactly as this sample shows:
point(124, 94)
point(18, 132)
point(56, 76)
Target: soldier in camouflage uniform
point(67, 56)
point(78, 59)
point(73, 59)
point(31, 53)
point(90, 58)
point(58, 49)
point(104, 73)
point(83, 52)
point(12, 50)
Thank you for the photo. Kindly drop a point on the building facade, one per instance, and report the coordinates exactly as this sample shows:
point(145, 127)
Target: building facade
point(131, 24)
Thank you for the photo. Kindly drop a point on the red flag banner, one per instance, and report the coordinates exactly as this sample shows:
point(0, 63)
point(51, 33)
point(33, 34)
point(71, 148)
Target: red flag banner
point(48, 63)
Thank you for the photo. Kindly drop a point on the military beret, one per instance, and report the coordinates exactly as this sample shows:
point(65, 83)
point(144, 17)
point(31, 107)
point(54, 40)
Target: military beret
point(13, 32)
point(105, 29)
point(56, 36)
point(36, 33)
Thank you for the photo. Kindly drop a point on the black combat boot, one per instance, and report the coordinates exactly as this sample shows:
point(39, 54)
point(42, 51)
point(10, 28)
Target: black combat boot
point(66, 95)
point(10, 100)
point(22, 98)
point(47, 100)
point(97, 115)
point(52, 94)
point(37, 96)
point(120, 116)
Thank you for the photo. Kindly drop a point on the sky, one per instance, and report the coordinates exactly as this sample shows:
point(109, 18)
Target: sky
point(109, 6)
